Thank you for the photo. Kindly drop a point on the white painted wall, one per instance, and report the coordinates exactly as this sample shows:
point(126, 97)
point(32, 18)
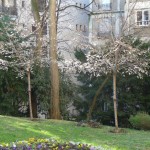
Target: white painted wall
point(105, 22)
point(73, 27)
point(131, 8)
point(25, 17)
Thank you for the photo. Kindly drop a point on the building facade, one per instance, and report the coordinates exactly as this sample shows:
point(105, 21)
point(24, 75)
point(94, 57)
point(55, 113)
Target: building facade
point(105, 20)
point(73, 26)
point(82, 21)
point(137, 14)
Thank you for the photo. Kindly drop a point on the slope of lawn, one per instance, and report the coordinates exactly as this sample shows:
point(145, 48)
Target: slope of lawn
point(12, 129)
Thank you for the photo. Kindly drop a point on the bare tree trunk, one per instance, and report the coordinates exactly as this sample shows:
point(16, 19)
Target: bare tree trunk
point(38, 49)
point(55, 102)
point(114, 87)
point(34, 104)
point(29, 92)
point(115, 98)
point(95, 98)
point(39, 36)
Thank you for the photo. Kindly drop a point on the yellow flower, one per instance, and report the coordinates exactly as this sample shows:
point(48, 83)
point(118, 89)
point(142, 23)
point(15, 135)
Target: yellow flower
point(31, 140)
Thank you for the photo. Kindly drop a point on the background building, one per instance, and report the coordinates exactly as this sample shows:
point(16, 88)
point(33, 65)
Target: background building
point(137, 14)
point(72, 26)
point(105, 20)
point(79, 22)
point(72, 21)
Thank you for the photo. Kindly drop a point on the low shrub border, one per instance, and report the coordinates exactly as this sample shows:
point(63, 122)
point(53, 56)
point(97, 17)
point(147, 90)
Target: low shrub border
point(140, 121)
point(46, 144)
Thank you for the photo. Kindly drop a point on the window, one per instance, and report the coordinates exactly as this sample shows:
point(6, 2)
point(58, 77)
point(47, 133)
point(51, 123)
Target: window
point(105, 108)
point(104, 28)
point(44, 29)
point(77, 27)
point(142, 18)
point(80, 27)
point(104, 5)
point(84, 28)
point(80, 5)
point(43, 26)
point(42, 5)
point(3, 3)
point(33, 28)
point(23, 4)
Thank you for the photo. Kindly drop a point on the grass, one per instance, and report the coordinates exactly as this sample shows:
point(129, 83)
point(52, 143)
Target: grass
point(12, 129)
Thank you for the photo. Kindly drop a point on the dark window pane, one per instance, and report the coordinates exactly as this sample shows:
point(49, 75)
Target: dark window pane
point(44, 28)
point(42, 5)
point(139, 15)
point(23, 4)
point(33, 28)
point(146, 15)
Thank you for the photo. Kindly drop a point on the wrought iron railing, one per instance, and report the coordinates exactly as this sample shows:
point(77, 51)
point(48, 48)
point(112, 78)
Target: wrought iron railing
point(143, 23)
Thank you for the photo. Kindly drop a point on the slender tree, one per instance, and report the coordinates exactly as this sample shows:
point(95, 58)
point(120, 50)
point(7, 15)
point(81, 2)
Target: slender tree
point(120, 57)
point(38, 24)
point(29, 91)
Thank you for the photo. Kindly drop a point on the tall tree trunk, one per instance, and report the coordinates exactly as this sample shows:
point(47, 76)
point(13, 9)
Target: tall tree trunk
point(38, 49)
point(39, 36)
point(114, 86)
point(55, 101)
point(115, 99)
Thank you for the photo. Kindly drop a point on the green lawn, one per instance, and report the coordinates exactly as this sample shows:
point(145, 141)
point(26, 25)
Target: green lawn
point(12, 129)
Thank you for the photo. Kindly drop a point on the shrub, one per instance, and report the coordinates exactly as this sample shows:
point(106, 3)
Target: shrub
point(46, 144)
point(94, 124)
point(140, 121)
point(90, 123)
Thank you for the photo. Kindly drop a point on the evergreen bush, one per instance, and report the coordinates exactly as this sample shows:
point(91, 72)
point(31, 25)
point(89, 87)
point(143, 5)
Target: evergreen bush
point(140, 121)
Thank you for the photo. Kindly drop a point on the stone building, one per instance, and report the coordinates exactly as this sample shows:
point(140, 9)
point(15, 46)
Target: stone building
point(137, 14)
point(105, 20)
point(85, 20)
point(72, 21)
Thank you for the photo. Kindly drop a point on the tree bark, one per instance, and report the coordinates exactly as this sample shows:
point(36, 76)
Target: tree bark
point(55, 101)
point(34, 104)
point(115, 99)
point(29, 92)
point(38, 32)
point(38, 49)
point(114, 87)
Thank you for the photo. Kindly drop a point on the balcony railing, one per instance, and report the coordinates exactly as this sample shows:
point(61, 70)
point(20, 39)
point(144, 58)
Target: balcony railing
point(143, 23)
point(9, 10)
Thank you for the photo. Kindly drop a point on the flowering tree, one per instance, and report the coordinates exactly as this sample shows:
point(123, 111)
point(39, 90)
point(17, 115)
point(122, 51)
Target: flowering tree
point(115, 57)
point(14, 53)
point(14, 48)
point(111, 51)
